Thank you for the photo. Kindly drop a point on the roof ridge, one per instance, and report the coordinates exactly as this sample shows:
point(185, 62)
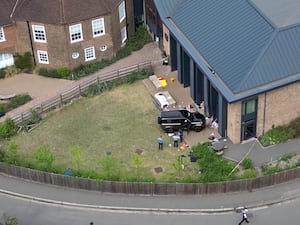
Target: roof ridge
point(263, 51)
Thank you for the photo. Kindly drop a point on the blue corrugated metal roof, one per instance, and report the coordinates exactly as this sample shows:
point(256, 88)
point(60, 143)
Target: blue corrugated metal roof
point(237, 41)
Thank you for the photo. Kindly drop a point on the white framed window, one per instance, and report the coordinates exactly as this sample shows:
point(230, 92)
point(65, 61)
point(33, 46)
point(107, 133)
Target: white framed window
point(39, 33)
point(43, 57)
point(123, 34)
point(89, 53)
point(98, 27)
point(6, 59)
point(75, 33)
point(122, 11)
point(2, 36)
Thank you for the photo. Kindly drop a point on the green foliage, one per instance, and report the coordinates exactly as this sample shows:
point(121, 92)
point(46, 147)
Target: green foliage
point(44, 156)
point(277, 135)
point(137, 161)
point(11, 155)
point(7, 129)
point(248, 174)
point(286, 157)
point(8, 220)
point(2, 73)
point(53, 73)
point(109, 168)
point(63, 72)
point(76, 152)
point(19, 100)
point(24, 62)
point(213, 167)
point(139, 39)
point(11, 70)
point(247, 163)
point(295, 126)
point(3, 107)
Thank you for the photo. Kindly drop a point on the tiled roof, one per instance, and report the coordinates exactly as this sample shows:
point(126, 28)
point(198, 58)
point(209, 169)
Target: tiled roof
point(6, 7)
point(244, 47)
point(60, 11)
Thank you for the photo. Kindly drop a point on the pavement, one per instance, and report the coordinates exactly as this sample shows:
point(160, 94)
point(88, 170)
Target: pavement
point(165, 204)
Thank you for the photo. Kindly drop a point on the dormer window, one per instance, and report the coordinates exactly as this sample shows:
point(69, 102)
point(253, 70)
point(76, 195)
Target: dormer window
point(39, 33)
point(2, 37)
point(75, 33)
point(98, 27)
point(122, 11)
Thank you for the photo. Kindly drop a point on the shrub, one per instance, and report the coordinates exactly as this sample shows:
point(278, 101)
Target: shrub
point(2, 73)
point(277, 135)
point(19, 100)
point(24, 62)
point(44, 156)
point(63, 72)
point(3, 107)
point(10, 71)
point(7, 129)
point(53, 73)
point(295, 126)
point(247, 163)
point(11, 155)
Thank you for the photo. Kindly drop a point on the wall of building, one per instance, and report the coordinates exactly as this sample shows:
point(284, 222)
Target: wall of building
point(22, 37)
point(234, 122)
point(278, 107)
point(8, 46)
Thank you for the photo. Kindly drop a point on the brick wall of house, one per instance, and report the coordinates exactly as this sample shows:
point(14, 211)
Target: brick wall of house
point(282, 105)
point(23, 37)
point(234, 122)
point(8, 46)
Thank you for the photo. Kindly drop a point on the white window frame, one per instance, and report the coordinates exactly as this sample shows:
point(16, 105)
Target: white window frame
point(98, 27)
point(39, 33)
point(122, 11)
point(76, 29)
point(123, 34)
point(2, 36)
point(43, 57)
point(89, 53)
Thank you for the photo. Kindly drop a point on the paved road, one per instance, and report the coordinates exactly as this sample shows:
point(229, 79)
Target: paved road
point(34, 213)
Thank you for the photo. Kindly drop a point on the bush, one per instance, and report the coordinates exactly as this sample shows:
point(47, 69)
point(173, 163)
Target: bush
point(24, 62)
point(11, 70)
point(247, 163)
point(3, 107)
point(19, 100)
point(2, 73)
point(63, 72)
point(295, 127)
point(53, 73)
point(7, 129)
point(277, 135)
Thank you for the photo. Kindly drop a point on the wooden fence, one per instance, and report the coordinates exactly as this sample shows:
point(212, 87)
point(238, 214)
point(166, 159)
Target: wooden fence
point(76, 91)
point(150, 188)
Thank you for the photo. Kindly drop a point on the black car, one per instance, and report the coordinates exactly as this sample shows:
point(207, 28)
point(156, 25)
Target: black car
point(171, 121)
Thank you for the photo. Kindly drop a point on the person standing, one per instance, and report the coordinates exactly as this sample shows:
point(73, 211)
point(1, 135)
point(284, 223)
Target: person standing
point(181, 134)
point(160, 142)
point(244, 216)
point(176, 138)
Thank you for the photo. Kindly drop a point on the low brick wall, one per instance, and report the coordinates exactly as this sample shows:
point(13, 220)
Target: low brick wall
point(150, 188)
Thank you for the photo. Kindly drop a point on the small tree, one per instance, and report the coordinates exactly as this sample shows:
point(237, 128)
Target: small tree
point(76, 152)
point(44, 156)
point(138, 161)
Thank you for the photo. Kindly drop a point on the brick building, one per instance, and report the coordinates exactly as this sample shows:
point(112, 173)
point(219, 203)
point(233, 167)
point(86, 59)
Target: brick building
point(240, 59)
point(64, 33)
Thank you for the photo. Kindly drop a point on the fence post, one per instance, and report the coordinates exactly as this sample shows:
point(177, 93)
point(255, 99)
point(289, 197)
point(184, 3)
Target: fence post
point(61, 100)
point(79, 89)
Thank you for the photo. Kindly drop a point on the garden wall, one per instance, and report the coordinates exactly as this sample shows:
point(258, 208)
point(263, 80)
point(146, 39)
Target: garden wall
point(150, 188)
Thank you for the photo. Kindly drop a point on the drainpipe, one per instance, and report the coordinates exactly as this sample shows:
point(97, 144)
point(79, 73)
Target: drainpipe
point(31, 42)
point(264, 117)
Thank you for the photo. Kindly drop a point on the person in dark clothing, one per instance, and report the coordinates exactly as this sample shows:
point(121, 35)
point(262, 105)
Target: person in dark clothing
point(160, 142)
point(244, 216)
point(180, 134)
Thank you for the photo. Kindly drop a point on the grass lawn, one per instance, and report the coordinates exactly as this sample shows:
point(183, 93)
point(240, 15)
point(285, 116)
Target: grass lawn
point(119, 121)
